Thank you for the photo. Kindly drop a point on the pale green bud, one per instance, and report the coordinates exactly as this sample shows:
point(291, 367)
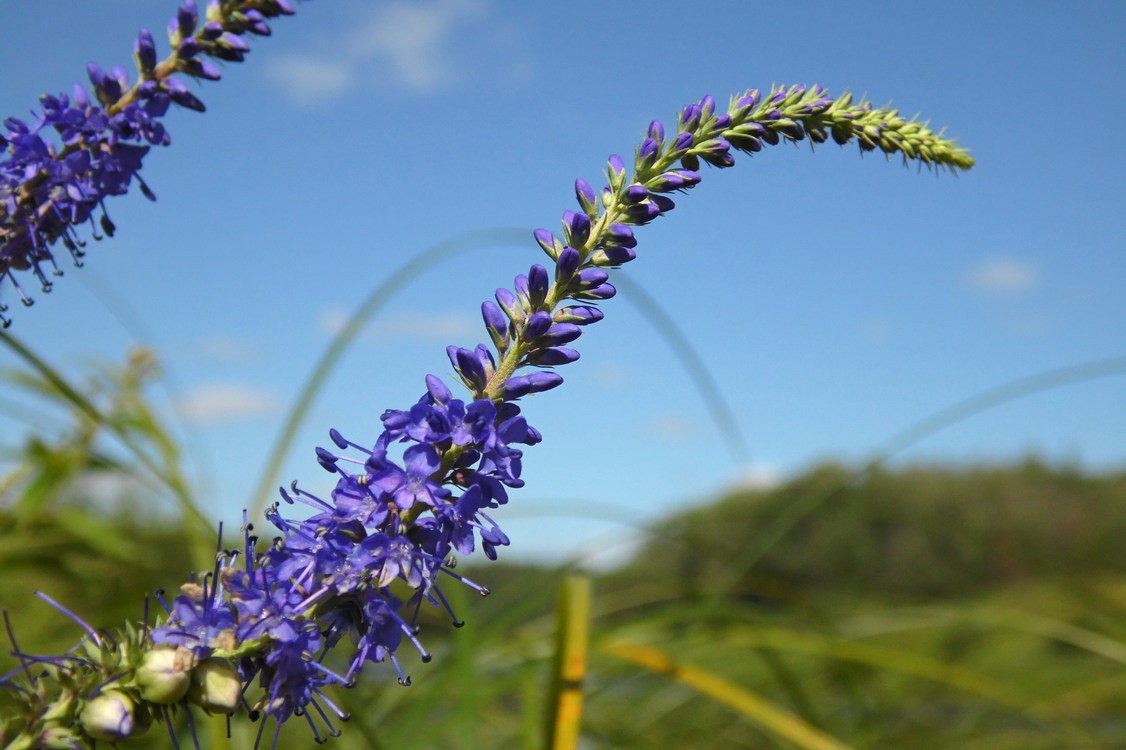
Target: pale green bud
point(165, 674)
point(55, 738)
point(108, 716)
point(216, 686)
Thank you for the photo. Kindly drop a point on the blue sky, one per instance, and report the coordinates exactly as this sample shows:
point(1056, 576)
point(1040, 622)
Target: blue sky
point(836, 299)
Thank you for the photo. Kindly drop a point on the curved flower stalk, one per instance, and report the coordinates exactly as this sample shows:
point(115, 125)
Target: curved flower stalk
point(51, 185)
point(267, 631)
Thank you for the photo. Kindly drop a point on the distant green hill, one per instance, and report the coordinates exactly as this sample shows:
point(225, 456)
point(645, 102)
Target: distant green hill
point(921, 532)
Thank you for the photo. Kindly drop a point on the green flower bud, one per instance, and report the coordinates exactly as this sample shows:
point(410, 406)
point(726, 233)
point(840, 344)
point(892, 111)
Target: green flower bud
point(216, 686)
point(108, 716)
point(55, 738)
point(165, 674)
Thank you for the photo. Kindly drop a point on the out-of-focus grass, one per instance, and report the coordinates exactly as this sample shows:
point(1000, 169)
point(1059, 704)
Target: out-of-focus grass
point(1029, 660)
point(921, 608)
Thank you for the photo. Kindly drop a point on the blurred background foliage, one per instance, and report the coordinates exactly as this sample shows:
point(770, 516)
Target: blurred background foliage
point(920, 607)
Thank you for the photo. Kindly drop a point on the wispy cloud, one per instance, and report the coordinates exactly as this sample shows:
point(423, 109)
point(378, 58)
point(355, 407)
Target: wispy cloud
point(221, 403)
point(759, 476)
point(311, 80)
point(1003, 276)
point(410, 46)
point(410, 41)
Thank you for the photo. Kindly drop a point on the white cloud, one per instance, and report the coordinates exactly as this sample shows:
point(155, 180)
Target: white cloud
point(411, 41)
point(412, 46)
point(1003, 276)
point(310, 80)
point(759, 476)
point(420, 326)
point(221, 403)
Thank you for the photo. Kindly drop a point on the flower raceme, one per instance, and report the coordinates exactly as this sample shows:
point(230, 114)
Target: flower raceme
point(323, 598)
point(49, 186)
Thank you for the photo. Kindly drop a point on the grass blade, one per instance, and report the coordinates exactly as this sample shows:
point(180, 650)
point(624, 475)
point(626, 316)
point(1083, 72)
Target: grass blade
point(753, 707)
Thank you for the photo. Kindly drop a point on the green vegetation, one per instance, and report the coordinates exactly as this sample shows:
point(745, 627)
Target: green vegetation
point(927, 607)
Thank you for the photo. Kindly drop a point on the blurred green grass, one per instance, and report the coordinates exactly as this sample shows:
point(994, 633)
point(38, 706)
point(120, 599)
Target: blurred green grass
point(922, 607)
point(929, 607)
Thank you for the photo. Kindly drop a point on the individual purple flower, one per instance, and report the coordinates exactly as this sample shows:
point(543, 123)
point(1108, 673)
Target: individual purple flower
point(411, 483)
